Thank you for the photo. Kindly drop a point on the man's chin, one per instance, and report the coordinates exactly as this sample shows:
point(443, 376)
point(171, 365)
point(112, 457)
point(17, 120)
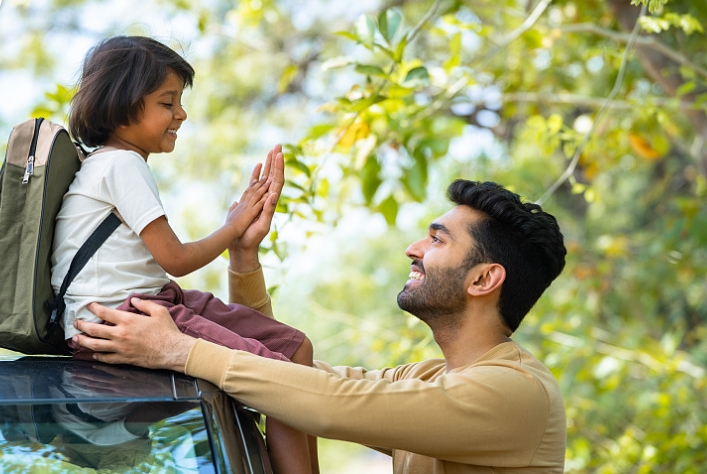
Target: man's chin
point(405, 301)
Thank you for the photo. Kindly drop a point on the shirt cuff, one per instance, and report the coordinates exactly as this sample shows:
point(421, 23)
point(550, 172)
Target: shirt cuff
point(249, 290)
point(208, 361)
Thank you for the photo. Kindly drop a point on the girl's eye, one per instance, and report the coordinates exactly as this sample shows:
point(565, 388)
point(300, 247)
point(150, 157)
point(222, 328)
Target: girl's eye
point(167, 105)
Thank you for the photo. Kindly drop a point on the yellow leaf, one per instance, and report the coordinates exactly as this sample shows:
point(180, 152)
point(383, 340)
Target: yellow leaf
point(354, 132)
point(642, 147)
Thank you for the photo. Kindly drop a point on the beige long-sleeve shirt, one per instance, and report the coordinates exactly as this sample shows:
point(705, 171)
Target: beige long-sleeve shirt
point(501, 413)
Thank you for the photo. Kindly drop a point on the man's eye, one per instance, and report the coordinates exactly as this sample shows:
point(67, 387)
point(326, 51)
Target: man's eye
point(435, 239)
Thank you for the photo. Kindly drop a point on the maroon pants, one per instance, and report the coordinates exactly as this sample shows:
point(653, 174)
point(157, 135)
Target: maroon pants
point(202, 315)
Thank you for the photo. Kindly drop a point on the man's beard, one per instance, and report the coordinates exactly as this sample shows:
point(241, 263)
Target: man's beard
point(440, 294)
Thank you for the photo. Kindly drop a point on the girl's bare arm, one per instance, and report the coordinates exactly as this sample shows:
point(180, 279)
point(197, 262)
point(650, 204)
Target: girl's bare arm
point(179, 258)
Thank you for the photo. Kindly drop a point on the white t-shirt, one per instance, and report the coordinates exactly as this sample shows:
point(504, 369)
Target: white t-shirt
point(108, 180)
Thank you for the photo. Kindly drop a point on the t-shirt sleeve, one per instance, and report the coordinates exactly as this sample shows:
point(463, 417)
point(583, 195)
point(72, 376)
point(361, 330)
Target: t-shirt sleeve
point(128, 183)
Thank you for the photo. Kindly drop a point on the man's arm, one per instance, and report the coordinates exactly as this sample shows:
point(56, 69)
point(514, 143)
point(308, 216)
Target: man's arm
point(490, 415)
point(458, 417)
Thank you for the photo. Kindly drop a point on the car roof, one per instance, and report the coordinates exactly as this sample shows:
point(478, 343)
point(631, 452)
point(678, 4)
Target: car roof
point(42, 379)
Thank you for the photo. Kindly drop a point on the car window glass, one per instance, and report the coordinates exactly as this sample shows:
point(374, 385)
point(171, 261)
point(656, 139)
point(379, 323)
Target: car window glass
point(104, 437)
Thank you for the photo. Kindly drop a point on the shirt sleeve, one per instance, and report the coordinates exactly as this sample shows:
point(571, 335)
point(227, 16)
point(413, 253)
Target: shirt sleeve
point(129, 185)
point(249, 290)
point(476, 417)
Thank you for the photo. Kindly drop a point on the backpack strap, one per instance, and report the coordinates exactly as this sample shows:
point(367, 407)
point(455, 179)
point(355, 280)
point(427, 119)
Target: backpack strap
point(84, 254)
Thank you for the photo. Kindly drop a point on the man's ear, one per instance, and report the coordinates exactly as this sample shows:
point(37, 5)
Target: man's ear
point(486, 278)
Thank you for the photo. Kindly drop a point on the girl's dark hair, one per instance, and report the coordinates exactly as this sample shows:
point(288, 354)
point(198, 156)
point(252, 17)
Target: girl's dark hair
point(117, 73)
point(518, 235)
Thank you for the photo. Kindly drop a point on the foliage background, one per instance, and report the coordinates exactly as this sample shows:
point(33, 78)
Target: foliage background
point(594, 108)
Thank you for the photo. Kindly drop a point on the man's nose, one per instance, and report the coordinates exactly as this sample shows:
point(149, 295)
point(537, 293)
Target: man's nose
point(414, 250)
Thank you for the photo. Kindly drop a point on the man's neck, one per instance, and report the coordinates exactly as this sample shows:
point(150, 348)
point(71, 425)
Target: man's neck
point(468, 340)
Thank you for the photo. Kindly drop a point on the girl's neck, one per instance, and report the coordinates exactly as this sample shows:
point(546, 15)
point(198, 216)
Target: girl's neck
point(117, 143)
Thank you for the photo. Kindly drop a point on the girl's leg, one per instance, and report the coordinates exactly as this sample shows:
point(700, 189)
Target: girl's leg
point(285, 444)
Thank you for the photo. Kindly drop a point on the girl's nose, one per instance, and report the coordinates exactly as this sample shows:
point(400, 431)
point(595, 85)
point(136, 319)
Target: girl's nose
point(180, 113)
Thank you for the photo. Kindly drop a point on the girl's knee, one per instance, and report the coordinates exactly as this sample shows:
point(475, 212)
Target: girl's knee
point(304, 354)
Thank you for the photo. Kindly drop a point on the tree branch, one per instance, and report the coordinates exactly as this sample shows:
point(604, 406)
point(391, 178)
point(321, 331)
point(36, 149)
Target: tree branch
point(600, 114)
point(647, 41)
point(594, 102)
point(463, 82)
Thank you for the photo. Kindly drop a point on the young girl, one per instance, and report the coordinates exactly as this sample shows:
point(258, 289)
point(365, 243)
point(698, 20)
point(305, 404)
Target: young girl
point(129, 105)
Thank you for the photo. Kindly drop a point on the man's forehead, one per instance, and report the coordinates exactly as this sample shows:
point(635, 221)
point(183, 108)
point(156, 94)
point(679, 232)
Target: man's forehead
point(456, 221)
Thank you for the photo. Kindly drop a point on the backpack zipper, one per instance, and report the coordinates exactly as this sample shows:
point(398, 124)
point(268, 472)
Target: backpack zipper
point(29, 169)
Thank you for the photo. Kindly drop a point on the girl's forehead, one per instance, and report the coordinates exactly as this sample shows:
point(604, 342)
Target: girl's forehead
point(171, 84)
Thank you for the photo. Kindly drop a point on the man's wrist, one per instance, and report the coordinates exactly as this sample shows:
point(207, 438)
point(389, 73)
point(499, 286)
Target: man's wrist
point(243, 260)
point(179, 353)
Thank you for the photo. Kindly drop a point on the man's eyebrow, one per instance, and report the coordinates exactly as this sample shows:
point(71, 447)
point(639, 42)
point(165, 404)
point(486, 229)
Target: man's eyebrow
point(441, 228)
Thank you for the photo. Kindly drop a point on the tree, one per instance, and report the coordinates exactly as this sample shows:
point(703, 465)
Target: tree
point(596, 109)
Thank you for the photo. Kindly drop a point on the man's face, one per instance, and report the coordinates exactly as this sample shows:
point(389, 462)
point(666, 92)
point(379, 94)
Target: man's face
point(440, 268)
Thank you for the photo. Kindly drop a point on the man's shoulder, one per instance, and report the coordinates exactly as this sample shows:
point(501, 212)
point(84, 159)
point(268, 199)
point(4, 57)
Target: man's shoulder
point(427, 370)
point(511, 365)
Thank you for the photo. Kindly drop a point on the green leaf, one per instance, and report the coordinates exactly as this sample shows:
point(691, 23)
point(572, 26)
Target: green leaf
point(348, 34)
point(370, 70)
point(370, 180)
point(455, 53)
point(389, 209)
point(294, 163)
point(365, 30)
point(415, 178)
point(389, 23)
point(417, 77)
point(383, 24)
point(400, 49)
point(319, 130)
point(685, 88)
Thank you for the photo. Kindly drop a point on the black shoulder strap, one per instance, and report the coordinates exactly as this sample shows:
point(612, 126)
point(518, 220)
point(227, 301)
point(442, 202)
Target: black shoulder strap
point(84, 254)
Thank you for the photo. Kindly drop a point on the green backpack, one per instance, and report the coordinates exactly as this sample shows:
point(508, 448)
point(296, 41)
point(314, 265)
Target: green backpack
point(40, 164)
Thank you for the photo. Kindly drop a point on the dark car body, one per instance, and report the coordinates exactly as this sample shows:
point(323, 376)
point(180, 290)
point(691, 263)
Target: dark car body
point(63, 415)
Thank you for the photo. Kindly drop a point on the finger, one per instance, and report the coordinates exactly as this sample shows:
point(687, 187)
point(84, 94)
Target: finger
point(150, 307)
point(276, 154)
point(110, 358)
point(277, 174)
point(268, 212)
point(92, 343)
point(96, 330)
point(255, 174)
point(268, 162)
point(103, 312)
point(253, 187)
point(257, 192)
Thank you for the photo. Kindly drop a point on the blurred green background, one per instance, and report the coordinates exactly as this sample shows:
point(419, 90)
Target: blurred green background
point(596, 109)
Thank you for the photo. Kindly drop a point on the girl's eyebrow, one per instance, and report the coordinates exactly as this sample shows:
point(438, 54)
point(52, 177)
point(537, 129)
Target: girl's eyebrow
point(169, 92)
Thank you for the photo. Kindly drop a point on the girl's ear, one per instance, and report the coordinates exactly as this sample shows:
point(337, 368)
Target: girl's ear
point(486, 278)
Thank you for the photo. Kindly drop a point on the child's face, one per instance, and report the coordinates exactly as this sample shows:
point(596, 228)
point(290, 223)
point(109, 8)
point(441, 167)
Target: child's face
point(156, 131)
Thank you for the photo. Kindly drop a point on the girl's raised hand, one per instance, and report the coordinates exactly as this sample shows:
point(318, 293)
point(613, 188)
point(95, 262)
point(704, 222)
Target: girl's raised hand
point(242, 213)
point(274, 172)
point(243, 252)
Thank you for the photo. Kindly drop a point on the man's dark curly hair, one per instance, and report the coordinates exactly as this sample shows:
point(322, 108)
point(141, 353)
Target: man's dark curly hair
point(518, 235)
point(117, 74)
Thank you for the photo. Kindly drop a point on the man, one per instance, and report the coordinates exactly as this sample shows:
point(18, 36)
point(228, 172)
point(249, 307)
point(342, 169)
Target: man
point(489, 406)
